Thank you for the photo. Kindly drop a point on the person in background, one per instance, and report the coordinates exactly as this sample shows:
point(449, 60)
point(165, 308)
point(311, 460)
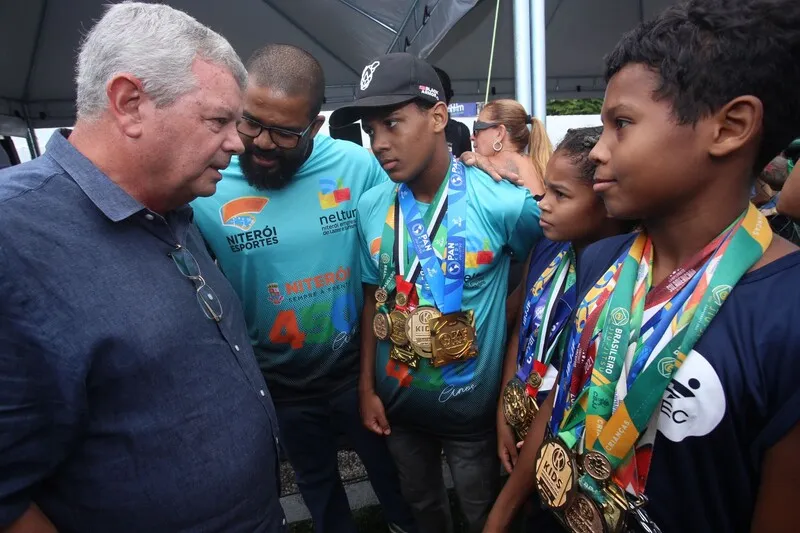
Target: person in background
point(456, 133)
point(789, 201)
point(130, 398)
point(282, 227)
point(573, 217)
point(677, 401)
point(439, 377)
point(766, 195)
point(768, 185)
point(502, 134)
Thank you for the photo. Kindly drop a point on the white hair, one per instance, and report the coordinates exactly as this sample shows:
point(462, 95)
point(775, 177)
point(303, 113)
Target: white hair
point(153, 42)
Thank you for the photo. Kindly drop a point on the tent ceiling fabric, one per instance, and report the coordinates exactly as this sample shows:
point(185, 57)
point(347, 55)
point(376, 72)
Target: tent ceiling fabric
point(38, 68)
point(579, 34)
point(38, 65)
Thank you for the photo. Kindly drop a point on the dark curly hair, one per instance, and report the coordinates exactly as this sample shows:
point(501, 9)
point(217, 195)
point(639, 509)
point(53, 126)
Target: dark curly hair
point(708, 52)
point(576, 145)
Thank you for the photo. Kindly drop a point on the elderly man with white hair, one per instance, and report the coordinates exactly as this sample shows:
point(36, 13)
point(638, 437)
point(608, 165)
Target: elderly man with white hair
point(130, 398)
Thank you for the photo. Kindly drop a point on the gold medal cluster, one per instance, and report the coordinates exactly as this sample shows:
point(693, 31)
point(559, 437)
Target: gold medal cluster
point(557, 474)
point(424, 333)
point(519, 408)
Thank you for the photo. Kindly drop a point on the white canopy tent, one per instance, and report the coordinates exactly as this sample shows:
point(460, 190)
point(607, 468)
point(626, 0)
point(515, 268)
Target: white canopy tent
point(41, 38)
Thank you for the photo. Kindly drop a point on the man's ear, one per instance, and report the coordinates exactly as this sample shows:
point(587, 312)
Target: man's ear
point(318, 122)
point(125, 101)
point(736, 125)
point(440, 117)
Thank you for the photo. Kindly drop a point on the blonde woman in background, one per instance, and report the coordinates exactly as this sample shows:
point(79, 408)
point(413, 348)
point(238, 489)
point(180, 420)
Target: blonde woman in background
point(501, 134)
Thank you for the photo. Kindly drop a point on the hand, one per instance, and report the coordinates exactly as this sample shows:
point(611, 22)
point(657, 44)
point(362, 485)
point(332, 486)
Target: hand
point(506, 449)
point(473, 159)
point(373, 415)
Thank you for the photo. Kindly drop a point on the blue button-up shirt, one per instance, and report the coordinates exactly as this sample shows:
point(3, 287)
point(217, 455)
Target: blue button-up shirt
point(122, 406)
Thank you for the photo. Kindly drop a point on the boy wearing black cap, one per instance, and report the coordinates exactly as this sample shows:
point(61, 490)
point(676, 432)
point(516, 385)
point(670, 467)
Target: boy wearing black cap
point(436, 245)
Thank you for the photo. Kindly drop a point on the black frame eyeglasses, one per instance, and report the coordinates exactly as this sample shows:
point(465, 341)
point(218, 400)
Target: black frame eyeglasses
point(281, 137)
point(206, 297)
point(480, 126)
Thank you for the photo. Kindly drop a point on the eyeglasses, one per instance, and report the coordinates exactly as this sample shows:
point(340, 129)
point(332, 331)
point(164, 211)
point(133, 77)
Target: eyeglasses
point(282, 138)
point(480, 126)
point(206, 297)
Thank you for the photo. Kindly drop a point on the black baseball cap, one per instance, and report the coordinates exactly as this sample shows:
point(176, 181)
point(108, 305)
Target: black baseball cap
point(389, 80)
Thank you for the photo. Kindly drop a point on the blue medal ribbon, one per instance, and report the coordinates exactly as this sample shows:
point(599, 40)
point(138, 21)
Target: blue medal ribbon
point(543, 314)
point(445, 287)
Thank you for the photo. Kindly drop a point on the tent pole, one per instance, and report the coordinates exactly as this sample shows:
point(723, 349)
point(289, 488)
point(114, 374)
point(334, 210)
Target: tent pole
point(539, 41)
point(402, 27)
point(367, 15)
point(33, 142)
point(522, 53)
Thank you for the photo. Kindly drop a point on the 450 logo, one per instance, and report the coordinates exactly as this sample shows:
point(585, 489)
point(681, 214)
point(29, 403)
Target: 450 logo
point(320, 323)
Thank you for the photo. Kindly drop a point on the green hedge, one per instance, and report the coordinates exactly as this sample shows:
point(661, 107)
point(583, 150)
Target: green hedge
point(589, 106)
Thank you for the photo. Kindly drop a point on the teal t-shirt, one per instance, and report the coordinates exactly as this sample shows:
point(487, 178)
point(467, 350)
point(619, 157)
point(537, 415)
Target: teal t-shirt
point(459, 399)
point(292, 256)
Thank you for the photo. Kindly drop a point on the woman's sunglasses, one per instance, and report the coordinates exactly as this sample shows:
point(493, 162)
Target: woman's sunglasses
point(480, 126)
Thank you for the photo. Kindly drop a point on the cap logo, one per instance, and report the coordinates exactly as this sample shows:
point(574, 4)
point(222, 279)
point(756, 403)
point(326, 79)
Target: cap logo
point(366, 75)
point(428, 91)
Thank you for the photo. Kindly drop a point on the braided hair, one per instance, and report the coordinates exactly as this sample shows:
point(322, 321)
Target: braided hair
point(576, 145)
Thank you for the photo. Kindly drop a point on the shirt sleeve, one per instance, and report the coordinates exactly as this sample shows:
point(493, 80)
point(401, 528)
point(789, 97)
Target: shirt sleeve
point(523, 225)
point(369, 270)
point(40, 397)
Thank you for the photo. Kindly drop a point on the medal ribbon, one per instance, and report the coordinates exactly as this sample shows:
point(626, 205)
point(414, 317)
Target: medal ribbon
point(445, 287)
point(547, 307)
point(588, 345)
point(398, 269)
point(579, 359)
point(614, 415)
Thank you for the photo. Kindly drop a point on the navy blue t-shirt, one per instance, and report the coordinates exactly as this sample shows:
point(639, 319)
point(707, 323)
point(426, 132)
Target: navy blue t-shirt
point(734, 398)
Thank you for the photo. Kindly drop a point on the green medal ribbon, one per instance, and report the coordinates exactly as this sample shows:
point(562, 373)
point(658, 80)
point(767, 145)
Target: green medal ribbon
point(613, 425)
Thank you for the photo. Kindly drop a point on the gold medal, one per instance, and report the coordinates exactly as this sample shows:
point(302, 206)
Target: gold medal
point(555, 474)
point(518, 407)
point(535, 380)
point(597, 465)
point(401, 299)
point(615, 509)
point(397, 333)
point(381, 326)
point(583, 516)
point(381, 295)
point(418, 330)
point(403, 355)
point(452, 338)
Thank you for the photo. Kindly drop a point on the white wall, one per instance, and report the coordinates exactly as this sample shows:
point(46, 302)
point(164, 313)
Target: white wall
point(557, 127)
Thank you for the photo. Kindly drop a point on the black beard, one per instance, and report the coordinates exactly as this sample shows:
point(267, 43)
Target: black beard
point(289, 162)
